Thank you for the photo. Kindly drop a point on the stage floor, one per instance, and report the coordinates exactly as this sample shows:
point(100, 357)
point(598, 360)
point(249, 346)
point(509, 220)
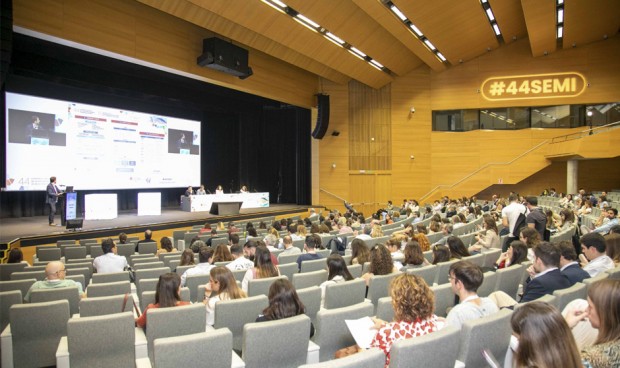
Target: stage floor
point(35, 230)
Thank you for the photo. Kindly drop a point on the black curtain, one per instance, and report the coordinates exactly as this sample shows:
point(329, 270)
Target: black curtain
point(245, 139)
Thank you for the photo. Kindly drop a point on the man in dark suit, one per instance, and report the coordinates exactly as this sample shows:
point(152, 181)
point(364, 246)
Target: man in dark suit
point(569, 265)
point(51, 199)
point(147, 238)
point(544, 272)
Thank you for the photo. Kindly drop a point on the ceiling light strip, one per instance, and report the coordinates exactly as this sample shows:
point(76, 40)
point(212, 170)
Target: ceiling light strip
point(559, 11)
point(415, 30)
point(315, 27)
point(486, 6)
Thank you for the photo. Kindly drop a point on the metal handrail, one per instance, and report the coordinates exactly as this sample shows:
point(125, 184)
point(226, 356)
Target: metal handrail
point(482, 168)
point(589, 131)
point(332, 194)
point(344, 200)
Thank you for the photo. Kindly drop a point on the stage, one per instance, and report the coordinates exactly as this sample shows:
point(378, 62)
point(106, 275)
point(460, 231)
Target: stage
point(35, 230)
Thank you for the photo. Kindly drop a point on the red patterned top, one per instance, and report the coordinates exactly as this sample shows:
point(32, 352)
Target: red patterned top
point(395, 331)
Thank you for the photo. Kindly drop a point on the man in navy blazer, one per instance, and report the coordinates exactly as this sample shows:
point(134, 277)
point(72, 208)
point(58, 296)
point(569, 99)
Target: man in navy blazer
point(544, 272)
point(569, 265)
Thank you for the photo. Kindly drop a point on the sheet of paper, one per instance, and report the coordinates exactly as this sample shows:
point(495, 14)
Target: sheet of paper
point(362, 331)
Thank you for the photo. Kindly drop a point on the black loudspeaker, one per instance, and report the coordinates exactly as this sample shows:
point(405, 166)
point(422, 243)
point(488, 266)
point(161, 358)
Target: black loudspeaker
point(322, 120)
point(224, 56)
point(75, 223)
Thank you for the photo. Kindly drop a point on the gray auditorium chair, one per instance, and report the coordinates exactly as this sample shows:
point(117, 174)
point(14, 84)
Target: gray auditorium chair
point(94, 250)
point(104, 278)
point(7, 299)
point(77, 278)
point(6, 269)
point(288, 270)
point(287, 258)
point(344, 294)
point(22, 285)
point(591, 280)
point(488, 284)
point(108, 288)
point(65, 242)
point(35, 331)
point(146, 285)
point(261, 286)
point(151, 273)
point(491, 256)
point(437, 349)
point(147, 248)
point(84, 272)
point(87, 241)
point(428, 273)
point(177, 321)
point(311, 298)
point(508, 279)
point(47, 254)
point(477, 259)
point(234, 314)
point(332, 333)
point(385, 310)
point(444, 298)
point(70, 294)
point(614, 273)
point(379, 286)
point(308, 279)
point(111, 344)
point(313, 265)
point(180, 270)
point(38, 275)
point(291, 334)
point(565, 296)
point(126, 250)
point(355, 270)
point(74, 252)
point(192, 283)
point(371, 358)
point(142, 258)
point(104, 305)
point(443, 269)
point(148, 265)
point(490, 332)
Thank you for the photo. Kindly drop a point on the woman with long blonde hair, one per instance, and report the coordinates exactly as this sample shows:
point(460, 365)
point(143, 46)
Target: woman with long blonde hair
point(221, 286)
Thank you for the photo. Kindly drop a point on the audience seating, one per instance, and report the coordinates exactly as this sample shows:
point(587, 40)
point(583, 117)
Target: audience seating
point(491, 256)
point(177, 321)
point(74, 253)
point(95, 250)
point(70, 294)
point(488, 284)
point(180, 270)
point(508, 280)
point(126, 250)
point(147, 248)
point(428, 255)
point(48, 254)
point(344, 294)
point(84, 272)
point(65, 242)
point(22, 285)
point(261, 286)
point(355, 270)
point(385, 309)
point(477, 259)
point(308, 279)
point(491, 332)
point(192, 282)
point(443, 269)
point(614, 273)
point(100, 341)
point(444, 298)
point(577, 291)
point(332, 333)
point(311, 298)
point(77, 278)
point(88, 241)
point(291, 334)
point(105, 278)
point(437, 349)
point(146, 285)
point(7, 299)
point(151, 273)
point(142, 258)
point(234, 314)
point(33, 334)
point(6, 269)
point(287, 269)
point(371, 358)
point(38, 275)
point(591, 280)
point(105, 305)
point(148, 265)
point(428, 273)
point(313, 265)
point(379, 286)
point(287, 258)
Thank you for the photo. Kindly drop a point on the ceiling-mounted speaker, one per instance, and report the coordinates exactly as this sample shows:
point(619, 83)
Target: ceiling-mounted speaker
point(224, 56)
point(322, 119)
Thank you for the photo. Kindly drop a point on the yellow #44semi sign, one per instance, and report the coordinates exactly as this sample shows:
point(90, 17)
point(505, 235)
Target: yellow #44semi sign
point(521, 87)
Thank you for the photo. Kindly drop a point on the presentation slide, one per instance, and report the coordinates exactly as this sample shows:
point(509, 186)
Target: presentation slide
point(94, 147)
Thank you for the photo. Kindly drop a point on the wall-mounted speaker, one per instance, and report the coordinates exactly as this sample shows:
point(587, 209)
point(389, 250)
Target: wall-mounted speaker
point(322, 120)
point(224, 56)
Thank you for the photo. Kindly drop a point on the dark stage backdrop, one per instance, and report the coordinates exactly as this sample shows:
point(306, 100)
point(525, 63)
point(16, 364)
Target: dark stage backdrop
point(246, 140)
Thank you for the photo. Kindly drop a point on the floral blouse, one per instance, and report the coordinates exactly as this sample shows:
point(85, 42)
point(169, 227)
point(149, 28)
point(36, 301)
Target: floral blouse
point(395, 331)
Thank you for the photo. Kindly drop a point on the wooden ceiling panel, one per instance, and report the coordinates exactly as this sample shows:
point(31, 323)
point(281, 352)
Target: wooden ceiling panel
point(590, 21)
point(509, 16)
point(540, 20)
point(459, 29)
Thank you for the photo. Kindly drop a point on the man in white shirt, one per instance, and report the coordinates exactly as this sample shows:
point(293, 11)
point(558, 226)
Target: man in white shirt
point(240, 262)
point(593, 258)
point(205, 257)
point(109, 262)
point(510, 215)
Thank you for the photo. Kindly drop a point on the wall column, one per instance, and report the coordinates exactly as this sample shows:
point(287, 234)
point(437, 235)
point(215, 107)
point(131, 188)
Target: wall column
point(572, 171)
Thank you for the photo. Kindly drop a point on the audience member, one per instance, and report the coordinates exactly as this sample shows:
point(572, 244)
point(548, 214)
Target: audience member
point(55, 273)
point(222, 286)
point(110, 261)
point(205, 259)
point(380, 263)
point(568, 263)
point(283, 303)
point(510, 217)
point(516, 254)
point(441, 253)
point(536, 218)
point(488, 240)
point(122, 238)
point(312, 243)
point(249, 249)
point(393, 246)
point(166, 296)
point(287, 241)
point(337, 272)
point(222, 254)
point(187, 258)
point(16, 256)
point(263, 267)
point(612, 215)
point(166, 246)
point(457, 248)
point(147, 238)
point(612, 245)
point(359, 252)
point(593, 258)
point(531, 238)
point(239, 261)
point(414, 258)
point(446, 229)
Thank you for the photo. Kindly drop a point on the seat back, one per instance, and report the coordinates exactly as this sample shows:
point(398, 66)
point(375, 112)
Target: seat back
point(371, 358)
point(146, 285)
point(491, 332)
point(332, 333)
point(7, 299)
point(477, 259)
point(22, 285)
point(437, 349)
point(379, 286)
point(355, 270)
point(444, 299)
point(287, 258)
point(38, 275)
point(565, 296)
point(148, 265)
point(113, 344)
point(47, 254)
point(308, 279)
point(261, 286)
point(442, 271)
point(428, 273)
point(292, 333)
point(288, 270)
point(6, 269)
point(614, 273)
point(36, 330)
point(105, 278)
point(147, 248)
point(135, 259)
point(104, 305)
point(214, 347)
point(311, 297)
point(491, 256)
point(80, 271)
point(176, 321)
point(591, 280)
point(385, 310)
point(192, 283)
point(151, 273)
point(313, 265)
point(71, 294)
point(126, 250)
point(344, 294)
point(508, 280)
point(234, 314)
point(74, 252)
point(488, 284)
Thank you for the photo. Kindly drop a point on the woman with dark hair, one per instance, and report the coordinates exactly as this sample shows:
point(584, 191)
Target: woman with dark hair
point(187, 258)
point(337, 272)
point(252, 233)
point(414, 307)
point(612, 249)
point(441, 253)
point(263, 267)
point(166, 295)
point(16, 256)
point(457, 248)
point(531, 238)
point(490, 239)
point(166, 246)
point(380, 263)
point(222, 254)
point(314, 229)
point(414, 258)
point(324, 229)
point(603, 313)
point(283, 303)
point(434, 227)
point(222, 286)
point(566, 221)
point(327, 224)
point(516, 254)
point(359, 252)
point(545, 340)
